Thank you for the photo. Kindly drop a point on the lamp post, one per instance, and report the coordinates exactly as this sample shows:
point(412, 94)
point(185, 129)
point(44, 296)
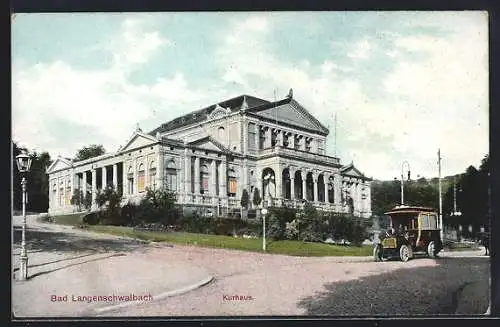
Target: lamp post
point(264, 213)
point(402, 179)
point(23, 165)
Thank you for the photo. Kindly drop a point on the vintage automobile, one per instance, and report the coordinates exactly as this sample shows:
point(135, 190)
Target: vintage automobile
point(413, 230)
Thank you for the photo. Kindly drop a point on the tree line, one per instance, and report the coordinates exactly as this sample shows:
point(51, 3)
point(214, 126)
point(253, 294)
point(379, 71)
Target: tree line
point(469, 190)
point(37, 179)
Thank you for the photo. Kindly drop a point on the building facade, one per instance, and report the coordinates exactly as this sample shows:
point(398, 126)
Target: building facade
point(208, 157)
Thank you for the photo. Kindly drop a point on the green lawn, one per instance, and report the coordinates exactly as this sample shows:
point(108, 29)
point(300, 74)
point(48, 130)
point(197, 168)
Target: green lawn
point(293, 248)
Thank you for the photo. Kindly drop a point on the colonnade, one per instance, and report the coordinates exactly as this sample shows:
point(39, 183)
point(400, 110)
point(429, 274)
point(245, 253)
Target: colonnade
point(266, 136)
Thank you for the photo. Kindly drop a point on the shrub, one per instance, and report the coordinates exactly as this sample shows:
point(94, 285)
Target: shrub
point(292, 230)
point(275, 227)
point(91, 218)
point(196, 223)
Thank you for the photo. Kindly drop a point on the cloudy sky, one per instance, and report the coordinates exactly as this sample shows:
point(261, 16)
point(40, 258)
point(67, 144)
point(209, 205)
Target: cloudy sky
point(402, 84)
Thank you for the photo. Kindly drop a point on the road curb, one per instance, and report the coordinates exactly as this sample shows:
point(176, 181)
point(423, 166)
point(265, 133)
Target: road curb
point(160, 296)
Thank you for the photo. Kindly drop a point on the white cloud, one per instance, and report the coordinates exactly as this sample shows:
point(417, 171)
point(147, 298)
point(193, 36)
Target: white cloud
point(440, 101)
point(104, 103)
point(135, 45)
point(361, 50)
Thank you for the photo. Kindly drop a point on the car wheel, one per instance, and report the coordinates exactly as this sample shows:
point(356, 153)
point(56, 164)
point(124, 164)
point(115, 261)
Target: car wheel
point(431, 250)
point(404, 253)
point(377, 253)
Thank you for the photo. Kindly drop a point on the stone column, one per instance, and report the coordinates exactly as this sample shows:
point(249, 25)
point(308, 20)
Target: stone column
point(315, 188)
point(196, 178)
point(314, 145)
point(304, 185)
point(187, 173)
point(257, 137)
point(124, 178)
point(115, 177)
point(292, 185)
point(368, 201)
point(147, 182)
point(325, 183)
point(65, 187)
point(337, 189)
point(291, 140)
point(159, 168)
point(73, 183)
point(104, 177)
point(245, 136)
point(223, 179)
point(213, 178)
point(84, 183)
point(94, 186)
point(135, 187)
point(267, 140)
point(245, 176)
point(278, 179)
point(279, 138)
point(303, 143)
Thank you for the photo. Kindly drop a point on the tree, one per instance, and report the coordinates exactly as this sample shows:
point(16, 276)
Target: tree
point(77, 199)
point(244, 199)
point(256, 197)
point(90, 151)
point(37, 179)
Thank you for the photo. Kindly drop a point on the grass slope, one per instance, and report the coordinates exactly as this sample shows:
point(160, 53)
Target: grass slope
point(286, 247)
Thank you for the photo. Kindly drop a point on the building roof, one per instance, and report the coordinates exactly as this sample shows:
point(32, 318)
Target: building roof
point(235, 104)
point(286, 111)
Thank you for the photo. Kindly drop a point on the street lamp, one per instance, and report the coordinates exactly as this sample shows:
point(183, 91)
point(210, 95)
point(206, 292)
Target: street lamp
point(23, 165)
point(264, 213)
point(402, 179)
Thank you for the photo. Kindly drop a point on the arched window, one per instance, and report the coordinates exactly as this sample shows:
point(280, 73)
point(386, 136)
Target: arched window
point(222, 134)
point(130, 180)
point(141, 179)
point(171, 176)
point(232, 183)
point(152, 175)
point(204, 179)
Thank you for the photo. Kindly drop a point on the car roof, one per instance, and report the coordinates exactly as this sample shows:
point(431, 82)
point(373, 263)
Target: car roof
point(409, 209)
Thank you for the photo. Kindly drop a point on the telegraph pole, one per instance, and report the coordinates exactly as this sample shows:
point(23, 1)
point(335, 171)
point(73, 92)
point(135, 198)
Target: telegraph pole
point(440, 198)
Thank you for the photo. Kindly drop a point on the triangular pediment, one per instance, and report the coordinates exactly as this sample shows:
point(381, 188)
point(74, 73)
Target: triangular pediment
point(59, 164)
point(208, 143)
point(138, 140)
point(352, 171)
point(291, 112)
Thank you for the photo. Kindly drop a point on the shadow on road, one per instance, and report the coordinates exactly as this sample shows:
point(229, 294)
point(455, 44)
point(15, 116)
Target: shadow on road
point(410, 291)
point(73, 264)
point(56, 261)
point(47, 241)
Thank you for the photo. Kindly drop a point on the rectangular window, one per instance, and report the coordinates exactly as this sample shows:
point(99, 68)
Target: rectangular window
point(130, 180)
point(61, 197)
point(232, 185)
point(204, 184)
point(251, 136)
point(152, 178)
point(140, 181)
point(68, 196)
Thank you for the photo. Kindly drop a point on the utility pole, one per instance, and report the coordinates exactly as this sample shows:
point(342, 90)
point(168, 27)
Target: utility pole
point(440, 198)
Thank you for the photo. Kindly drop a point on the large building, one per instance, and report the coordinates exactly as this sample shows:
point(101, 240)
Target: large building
point(208, 157)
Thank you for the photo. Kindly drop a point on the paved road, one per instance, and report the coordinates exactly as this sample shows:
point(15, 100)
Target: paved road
point(67, 266)
point(280, 285)
point(259, 284)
